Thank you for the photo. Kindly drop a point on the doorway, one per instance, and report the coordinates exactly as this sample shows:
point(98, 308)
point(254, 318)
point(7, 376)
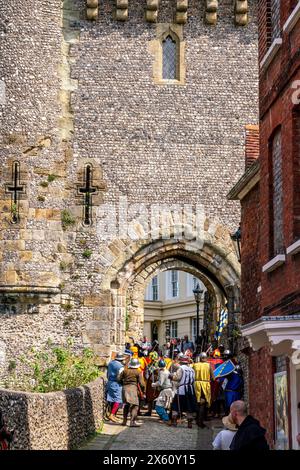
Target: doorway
point(154, 332)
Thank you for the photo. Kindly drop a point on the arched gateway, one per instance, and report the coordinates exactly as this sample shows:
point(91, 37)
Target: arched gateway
point(110, 119)
point(210, 258)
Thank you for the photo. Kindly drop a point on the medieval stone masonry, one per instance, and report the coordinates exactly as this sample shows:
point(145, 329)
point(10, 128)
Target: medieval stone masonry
point(89, 127)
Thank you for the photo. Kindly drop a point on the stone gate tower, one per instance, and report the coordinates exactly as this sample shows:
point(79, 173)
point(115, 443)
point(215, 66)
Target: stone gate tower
point(111, 109)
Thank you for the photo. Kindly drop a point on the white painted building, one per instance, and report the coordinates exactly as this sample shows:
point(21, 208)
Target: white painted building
point(170, 306)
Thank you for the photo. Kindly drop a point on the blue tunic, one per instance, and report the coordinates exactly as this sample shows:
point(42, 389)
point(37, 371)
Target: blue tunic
point(114, 388)
point(233, 388)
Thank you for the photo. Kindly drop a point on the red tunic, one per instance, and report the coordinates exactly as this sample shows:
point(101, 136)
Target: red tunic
point(215, 384)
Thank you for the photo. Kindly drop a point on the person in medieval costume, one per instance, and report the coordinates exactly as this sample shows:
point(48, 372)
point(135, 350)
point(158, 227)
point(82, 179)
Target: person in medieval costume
point(113, 386)
point(215, 360)
point(187, 345)
point(146, 345)
point(233, 387)
point(164, 386)
point(151, 375)
point(203, 377)
point(135, 351)
point(133, 387)
point(168, 361)
point(185, 398)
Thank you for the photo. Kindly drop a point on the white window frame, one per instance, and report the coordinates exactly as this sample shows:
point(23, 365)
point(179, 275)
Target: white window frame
point(191, 283)
point(194, 328)
point(169, 289)
point(174, 326)
point(153, 285)
point(149, 290)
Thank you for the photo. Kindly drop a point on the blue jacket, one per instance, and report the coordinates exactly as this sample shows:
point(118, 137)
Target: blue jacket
point(235, 382)
point(113, 387)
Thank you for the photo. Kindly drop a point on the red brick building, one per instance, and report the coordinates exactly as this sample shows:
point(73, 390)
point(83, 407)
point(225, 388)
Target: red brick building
point(269, 192)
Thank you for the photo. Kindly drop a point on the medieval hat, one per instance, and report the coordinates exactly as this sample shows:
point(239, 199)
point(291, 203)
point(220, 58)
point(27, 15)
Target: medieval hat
point(216, 353)
point(228, 423)
point(127, 352)
point(119, 357)
point(134, 364)
point(183, 359)
point(227, 353)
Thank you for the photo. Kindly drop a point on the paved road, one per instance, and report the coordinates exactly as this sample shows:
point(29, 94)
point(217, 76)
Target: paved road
point(154, 436)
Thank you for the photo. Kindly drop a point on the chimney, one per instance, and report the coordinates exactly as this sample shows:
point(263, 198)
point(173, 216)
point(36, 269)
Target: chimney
point(251, 144)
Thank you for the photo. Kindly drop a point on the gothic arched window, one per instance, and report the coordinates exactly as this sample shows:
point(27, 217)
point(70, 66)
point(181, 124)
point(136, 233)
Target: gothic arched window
point(170, 59)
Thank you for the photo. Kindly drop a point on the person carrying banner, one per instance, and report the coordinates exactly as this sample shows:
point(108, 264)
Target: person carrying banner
point(223, 320)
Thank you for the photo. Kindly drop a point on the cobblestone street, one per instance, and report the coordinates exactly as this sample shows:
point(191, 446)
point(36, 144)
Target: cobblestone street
point(153, 435)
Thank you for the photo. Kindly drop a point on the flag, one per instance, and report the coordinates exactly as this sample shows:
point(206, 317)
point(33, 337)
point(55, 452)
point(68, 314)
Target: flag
point(223, 320)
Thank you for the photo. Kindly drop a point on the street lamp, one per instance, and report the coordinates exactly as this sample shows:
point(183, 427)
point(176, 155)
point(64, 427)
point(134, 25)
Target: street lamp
point(236, 238)
point(197, 293)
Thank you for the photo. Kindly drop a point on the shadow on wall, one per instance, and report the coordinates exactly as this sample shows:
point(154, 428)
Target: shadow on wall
point(15, 413)
point(81, 422)
point(85, 409)
point(56, 420)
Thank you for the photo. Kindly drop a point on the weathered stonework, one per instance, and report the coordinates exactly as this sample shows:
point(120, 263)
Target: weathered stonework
point(152, 10)
point(211, 11)
point(241, 12)
point(121, 10)
point(83, 92)
point(92, 9)
point(53, 421)
point(181, 11)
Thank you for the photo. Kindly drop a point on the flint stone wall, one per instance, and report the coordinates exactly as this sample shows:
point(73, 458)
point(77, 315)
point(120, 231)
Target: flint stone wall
point(79, 91)
point(53, 421)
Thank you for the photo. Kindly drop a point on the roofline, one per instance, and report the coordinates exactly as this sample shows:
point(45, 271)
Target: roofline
point(249, 179)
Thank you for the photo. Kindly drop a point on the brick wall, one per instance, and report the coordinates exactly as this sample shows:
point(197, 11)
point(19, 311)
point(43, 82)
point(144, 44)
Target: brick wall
point(261, 394)
point(250, 277)
point(264, 27)
point(296, 173)
point(278, 110)
point(251, 144)
point(277, 209)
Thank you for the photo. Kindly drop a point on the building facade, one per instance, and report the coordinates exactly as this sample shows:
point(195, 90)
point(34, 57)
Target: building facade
point(170, 307)
point(269, 194)
point(121, 121)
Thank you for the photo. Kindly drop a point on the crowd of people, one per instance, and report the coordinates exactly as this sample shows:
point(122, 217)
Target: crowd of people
point(181, 382)
point(176, 380)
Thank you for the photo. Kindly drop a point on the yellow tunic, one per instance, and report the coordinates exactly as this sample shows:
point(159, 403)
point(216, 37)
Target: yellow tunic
point(168, 362)
point(202, 381)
